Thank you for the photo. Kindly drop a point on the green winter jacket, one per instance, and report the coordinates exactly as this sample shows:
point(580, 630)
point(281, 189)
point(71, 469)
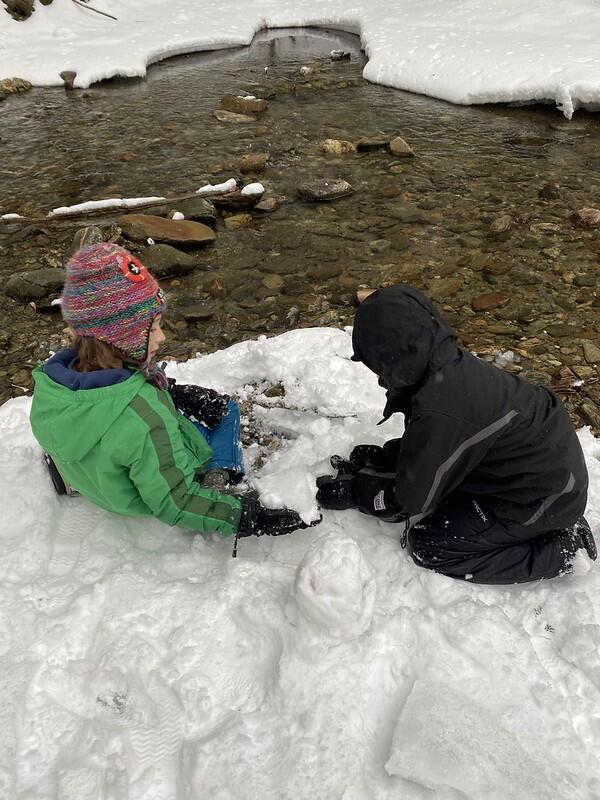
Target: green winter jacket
point(127, 449)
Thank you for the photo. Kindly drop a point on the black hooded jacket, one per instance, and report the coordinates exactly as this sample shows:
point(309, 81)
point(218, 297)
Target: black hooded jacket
point(469, 427)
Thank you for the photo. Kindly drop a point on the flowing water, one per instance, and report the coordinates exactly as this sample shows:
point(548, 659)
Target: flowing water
point(425, 220)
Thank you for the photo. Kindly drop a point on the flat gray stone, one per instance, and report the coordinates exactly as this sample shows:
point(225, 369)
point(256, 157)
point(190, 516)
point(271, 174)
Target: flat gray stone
point(164, 261)
point(35, 284)
point(325, 191)
point(141, 227)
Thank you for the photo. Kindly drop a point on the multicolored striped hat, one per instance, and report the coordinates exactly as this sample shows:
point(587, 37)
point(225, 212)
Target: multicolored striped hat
point(110, 295)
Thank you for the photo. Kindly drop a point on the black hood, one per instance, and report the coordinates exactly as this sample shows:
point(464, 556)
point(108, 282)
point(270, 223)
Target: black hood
point(399, 335)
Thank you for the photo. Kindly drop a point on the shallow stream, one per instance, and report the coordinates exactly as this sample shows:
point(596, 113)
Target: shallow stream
point(425, 220)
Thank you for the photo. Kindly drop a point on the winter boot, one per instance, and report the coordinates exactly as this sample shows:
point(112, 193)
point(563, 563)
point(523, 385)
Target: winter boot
point(583, 530)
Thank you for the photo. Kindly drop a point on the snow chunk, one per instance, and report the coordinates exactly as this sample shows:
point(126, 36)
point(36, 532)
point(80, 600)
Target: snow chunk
point(228, 186)
point(253, 188)
point(335, 587)
point(92, 205)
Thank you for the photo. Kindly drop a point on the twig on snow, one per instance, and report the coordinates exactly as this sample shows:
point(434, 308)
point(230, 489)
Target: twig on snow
point(84, 4)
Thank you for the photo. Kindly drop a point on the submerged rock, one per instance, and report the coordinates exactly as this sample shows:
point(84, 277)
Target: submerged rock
point(229, 116)
point(586, 218)
point(35, 284)
point(325, 191)
point(400, 148)
point(367, 144)
point(198, 209)
point(164, 261)
point(244, 105)
point(487, 302)
point(502, 223)
point(238, 221)
point(337, 147)
point(253, 162)
point(267, 205)
point(14, 86)
point(141, 227)
point(591, 352)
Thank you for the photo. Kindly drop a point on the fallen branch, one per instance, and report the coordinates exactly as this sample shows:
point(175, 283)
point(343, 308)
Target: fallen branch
point(91, 8)
point(108, 212)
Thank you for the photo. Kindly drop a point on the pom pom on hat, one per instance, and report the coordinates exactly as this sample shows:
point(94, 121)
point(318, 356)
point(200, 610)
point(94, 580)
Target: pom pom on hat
point(110, 295)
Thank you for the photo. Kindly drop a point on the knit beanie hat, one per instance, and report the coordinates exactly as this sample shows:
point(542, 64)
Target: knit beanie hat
point(110, 295)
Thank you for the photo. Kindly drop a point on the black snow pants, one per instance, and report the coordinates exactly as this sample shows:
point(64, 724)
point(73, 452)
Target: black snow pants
point(463, 540)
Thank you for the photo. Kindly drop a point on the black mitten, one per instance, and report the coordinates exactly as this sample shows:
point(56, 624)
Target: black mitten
point(381, 459)
point(336, 491)
point(260, 521)
point(374, 494)
point(199, 403)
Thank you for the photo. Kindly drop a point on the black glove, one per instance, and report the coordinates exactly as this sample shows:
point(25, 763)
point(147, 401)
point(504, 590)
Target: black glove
point(374, 494)
point(260, 521)
point(336, 491)
point(198, 403)
point(366, 489)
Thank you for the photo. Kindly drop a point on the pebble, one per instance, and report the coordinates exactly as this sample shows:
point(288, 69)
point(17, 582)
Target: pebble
point(400, 148)
point(229, 116)
point(591, 352)
point(236, 221)
point(586, 218)
point(502, 223)
point(445, 287)
point(325, 190)
point(487, 302)
point(267, 205)
point(253, 163)
point(84, 237)
point(337, 146)
point(244, 105)
point(68, 78)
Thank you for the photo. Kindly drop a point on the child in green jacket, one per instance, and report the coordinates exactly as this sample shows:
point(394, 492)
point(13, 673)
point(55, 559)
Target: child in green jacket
point(105, 412)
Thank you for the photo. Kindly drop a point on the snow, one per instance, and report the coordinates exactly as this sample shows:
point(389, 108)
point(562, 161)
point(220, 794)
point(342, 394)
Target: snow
point(94, 205)
point(253, 188)
point(140, 662)
point(465, 51)
point(229, 185)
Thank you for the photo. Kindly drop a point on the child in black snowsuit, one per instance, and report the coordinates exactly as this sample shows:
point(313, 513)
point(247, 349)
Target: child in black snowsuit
point(489, 478)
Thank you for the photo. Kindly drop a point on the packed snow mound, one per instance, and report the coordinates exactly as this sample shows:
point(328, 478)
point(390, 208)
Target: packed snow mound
point(139, 661)
point(464, 51)
point(335, 587)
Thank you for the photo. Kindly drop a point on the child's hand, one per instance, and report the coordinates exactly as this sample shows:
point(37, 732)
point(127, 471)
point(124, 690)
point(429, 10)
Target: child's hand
point(260, 521)
point(199, 404)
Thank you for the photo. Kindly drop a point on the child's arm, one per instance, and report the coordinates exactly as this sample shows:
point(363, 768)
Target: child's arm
point(163, 473)
point(437, 453)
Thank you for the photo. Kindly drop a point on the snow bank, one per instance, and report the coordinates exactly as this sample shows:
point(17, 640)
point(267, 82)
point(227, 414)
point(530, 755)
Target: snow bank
point(140, 662)
point(465, 51)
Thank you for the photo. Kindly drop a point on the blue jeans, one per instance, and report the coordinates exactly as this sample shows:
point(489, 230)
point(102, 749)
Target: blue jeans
point(225, 442)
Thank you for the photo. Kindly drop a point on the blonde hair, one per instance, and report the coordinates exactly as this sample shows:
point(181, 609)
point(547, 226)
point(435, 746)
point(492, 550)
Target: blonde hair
point(94, 354)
